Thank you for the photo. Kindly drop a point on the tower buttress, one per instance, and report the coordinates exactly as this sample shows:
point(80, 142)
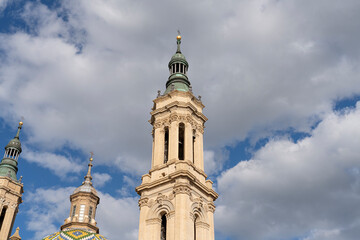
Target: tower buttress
point(11, 189)
point(176, 200)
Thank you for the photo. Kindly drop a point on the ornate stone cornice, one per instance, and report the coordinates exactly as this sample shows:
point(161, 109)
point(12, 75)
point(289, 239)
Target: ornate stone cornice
point(179, 173)
point(179, 93)
point(174, 106)
point(174, 117)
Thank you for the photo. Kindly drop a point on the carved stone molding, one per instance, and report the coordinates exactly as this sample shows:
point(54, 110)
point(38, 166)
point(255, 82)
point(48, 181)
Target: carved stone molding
point(143, 202)
point(153, 221)
point(211, 207)
point(166, 122)
point(182, 189)
point(202, 225)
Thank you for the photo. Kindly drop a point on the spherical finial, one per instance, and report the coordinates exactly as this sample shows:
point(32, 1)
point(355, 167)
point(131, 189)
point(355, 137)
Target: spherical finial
point(178, 37)
point(21, 123)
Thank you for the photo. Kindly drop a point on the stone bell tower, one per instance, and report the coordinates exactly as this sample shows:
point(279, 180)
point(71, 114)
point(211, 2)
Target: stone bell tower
point(11, 189)
point(177, 200)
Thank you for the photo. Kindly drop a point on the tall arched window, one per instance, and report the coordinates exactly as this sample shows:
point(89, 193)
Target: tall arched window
point(195, 220)
point(163, 228)
point(166, 145)
point(2, 216)
point(181, 141)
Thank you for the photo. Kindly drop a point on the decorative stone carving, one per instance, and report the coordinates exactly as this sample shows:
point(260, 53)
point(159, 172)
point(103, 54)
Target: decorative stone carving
point(182, 189)
point(143, 202)
point(211, 207)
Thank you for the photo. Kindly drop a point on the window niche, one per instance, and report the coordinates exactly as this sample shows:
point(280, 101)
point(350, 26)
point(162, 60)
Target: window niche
point(163, 227)
point(2, 216)
point(181, 141)
point(166, 145)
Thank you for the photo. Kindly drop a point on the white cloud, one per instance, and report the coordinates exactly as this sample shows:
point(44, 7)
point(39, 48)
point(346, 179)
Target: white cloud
point(86, 73)
point(58, 164)
point(291, 189)
point(118, 217)
point(99, 179)
point(48, 209)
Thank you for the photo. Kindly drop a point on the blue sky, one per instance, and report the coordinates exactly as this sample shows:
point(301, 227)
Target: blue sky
point(279, 79)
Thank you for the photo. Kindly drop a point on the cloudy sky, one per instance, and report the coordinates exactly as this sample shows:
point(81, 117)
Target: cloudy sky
point(280, 81)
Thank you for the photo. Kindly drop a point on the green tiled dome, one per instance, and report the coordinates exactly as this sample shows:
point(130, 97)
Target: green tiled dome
point(75, 234)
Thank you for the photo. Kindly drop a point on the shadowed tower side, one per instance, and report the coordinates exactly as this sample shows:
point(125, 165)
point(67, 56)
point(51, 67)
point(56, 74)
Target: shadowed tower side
point(177, 200)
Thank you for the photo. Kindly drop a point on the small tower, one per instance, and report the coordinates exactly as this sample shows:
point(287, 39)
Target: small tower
point(81, 222)
point(16, 235)
point(11, 189)
point(177, 199)
point(84, 202)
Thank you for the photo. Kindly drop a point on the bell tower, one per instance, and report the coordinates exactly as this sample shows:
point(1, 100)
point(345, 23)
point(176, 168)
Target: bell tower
point(11, 189)
point(176, 198)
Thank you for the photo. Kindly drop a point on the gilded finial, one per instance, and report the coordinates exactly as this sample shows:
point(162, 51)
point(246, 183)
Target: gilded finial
point(19, 128)
point(178, 40)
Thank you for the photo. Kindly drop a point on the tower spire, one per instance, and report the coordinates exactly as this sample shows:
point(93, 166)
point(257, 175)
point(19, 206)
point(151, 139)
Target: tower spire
point(18, 131)
point(178, 67)
point(8, 165)
point(88, 176)
point(84, 201)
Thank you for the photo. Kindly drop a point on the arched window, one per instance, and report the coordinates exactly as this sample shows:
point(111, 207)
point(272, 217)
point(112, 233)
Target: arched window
point(166, 145)
point(90, 213)
point(73, 211)
point(163, 228)
point(195, 220)
point(181, 141)
point(2, 216)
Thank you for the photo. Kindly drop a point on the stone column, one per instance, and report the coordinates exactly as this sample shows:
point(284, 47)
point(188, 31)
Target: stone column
point(142, 224)
point(198, 150)
point(6, 226)
point(173, 141)
point(159, 147)
point(182, 213)
point(188, 142)
point(170, 228)
point(210, 213)
point(201, 151)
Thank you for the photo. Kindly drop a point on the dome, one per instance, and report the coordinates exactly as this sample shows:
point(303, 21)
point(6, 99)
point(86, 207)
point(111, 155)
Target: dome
point(14, 143)
point(86, 187)
point(178, 57)
point(75, 234)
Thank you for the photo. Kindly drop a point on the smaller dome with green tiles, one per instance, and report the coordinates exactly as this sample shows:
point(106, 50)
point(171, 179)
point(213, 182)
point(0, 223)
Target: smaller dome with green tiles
point(178, 67)
point(75, 234)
